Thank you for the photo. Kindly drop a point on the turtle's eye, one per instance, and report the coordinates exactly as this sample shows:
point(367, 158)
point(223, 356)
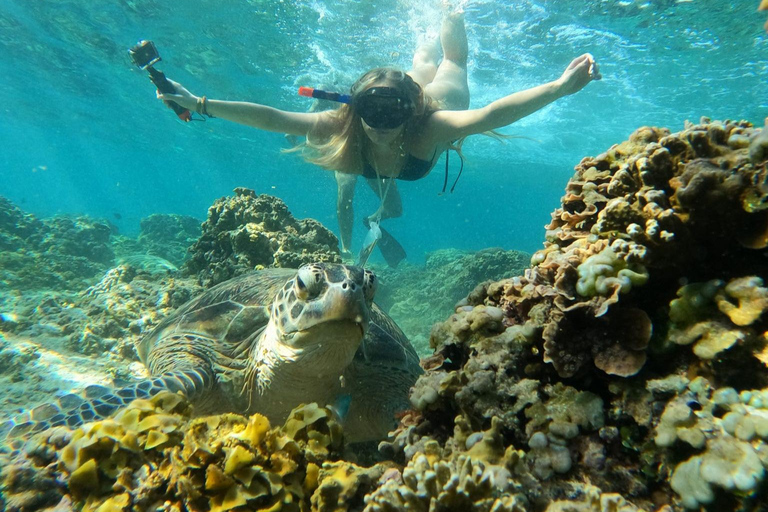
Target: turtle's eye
point(306, 283)
point(301, 289)
point(369, 285)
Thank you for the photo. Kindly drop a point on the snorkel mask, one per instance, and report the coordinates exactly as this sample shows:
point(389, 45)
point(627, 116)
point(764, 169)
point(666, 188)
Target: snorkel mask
point(382, 108)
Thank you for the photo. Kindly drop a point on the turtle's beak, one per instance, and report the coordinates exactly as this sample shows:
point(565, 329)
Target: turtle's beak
point(345, 304)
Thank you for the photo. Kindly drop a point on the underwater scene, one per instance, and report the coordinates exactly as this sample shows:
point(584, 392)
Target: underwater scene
point(384, 256)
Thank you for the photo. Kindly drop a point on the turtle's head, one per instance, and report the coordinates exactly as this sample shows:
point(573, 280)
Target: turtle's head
point(324, 310)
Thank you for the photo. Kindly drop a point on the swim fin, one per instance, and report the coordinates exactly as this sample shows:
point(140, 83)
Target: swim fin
point(371, 238)
point(391, 249)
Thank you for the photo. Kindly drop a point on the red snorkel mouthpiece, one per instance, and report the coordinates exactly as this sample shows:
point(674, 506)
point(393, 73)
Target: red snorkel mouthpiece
point(311, 92)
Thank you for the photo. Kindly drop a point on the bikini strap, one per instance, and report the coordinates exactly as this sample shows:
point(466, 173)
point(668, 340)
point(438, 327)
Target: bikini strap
point(445, 182)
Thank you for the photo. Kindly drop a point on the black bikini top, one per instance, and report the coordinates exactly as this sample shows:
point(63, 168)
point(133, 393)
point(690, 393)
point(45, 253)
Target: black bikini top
point(416, 168)
point(413, 169)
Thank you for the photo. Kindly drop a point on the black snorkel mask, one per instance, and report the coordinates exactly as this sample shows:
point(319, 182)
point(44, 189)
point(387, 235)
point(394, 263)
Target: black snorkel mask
point(382, 108)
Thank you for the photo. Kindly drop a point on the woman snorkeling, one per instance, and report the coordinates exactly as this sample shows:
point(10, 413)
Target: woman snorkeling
point(396, 124)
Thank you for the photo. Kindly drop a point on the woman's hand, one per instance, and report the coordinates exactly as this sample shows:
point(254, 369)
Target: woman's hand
point(579, 73)
point(181, 97)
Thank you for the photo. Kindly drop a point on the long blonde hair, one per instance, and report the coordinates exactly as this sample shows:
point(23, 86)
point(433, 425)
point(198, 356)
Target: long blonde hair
point(343, 150)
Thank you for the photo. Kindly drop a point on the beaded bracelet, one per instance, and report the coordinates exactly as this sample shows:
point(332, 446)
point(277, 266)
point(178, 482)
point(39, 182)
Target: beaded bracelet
point(202, 107)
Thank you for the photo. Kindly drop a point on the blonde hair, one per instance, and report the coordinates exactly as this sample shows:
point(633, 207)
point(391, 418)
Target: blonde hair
point(343, 150)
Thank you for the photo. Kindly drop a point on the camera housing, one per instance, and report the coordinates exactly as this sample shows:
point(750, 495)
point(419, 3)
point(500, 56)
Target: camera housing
point(144, 54)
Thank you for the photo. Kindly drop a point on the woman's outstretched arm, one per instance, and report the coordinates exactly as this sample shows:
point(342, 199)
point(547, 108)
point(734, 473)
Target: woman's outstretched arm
point(250, 114)
point(448, 125)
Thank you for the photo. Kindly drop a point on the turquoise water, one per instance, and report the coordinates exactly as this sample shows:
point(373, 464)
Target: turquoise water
point(82, 131)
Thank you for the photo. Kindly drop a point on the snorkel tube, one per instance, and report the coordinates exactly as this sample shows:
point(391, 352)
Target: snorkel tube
point(311, 92)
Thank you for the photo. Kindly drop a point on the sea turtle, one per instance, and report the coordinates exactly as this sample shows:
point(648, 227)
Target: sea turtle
point(266, 342)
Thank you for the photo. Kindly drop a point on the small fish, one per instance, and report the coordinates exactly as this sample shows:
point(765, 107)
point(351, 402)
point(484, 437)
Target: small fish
point(117, 215)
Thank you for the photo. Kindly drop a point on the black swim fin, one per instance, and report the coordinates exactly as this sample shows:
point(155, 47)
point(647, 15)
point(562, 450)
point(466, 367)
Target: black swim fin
point(390, 248)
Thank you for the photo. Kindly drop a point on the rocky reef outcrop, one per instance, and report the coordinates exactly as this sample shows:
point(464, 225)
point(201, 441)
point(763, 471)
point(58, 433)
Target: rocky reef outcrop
point(169, 236)
point(249, 231)
point(632, 354)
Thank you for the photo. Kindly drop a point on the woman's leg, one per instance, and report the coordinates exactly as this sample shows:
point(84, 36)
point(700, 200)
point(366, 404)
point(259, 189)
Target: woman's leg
point(425, 60)
point(344, 212)
point(449, 84)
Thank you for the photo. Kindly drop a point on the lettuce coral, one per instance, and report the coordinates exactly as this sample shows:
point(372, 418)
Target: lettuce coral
point(608, 275)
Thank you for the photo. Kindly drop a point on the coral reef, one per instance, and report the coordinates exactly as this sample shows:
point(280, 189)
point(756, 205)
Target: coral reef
point(481, 480)
point(58, 341)
point(124, 304)
point(59, 252)
point(632, 354)
point(61, 300)
point(249, 231)
point(728, 429)
point(625, 370)
point(417, 297)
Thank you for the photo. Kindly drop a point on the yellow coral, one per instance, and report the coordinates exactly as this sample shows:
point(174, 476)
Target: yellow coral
point(711, 338)
point(751, 298)
point(150, 453)
point(85, 477)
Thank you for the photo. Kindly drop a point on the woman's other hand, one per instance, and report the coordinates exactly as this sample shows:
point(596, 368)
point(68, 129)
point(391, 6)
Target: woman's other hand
point(181, 96)
point(582, 70)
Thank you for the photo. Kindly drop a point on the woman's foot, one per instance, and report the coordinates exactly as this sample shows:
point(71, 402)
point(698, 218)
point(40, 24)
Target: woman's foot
point(453, 36)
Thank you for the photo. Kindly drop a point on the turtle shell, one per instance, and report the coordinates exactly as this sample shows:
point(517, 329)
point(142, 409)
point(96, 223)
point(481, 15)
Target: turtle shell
point(229, 314)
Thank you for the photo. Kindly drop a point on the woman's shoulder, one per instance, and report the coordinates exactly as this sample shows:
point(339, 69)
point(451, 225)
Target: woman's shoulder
point(327, 123)
point(428, 126)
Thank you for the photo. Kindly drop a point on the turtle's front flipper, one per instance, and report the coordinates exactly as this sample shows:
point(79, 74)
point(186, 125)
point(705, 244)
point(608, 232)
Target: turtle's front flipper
point(98, 402)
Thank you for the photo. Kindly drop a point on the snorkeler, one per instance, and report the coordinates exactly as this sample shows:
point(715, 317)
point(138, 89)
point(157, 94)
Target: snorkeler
point(396, 124)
